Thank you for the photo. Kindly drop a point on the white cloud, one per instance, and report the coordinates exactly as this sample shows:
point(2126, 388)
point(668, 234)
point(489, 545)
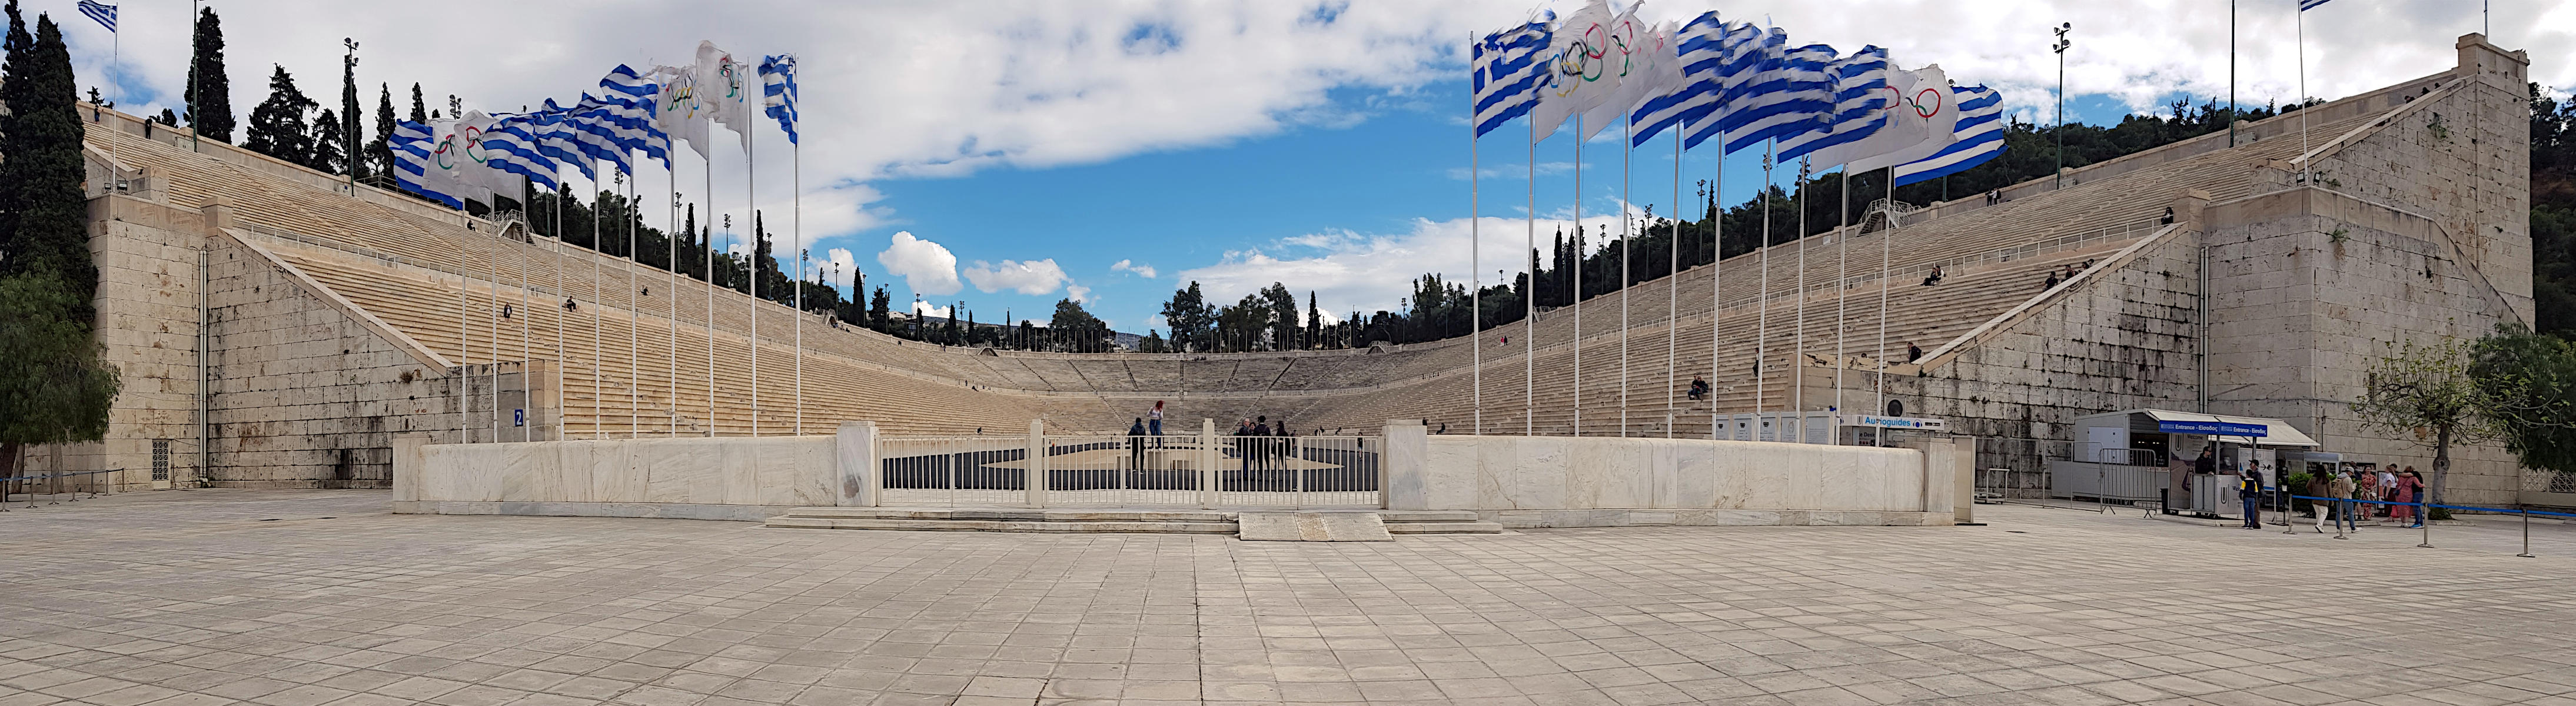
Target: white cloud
point(1145, 271)
point(842, 261)
point(1079, 294)
point(1032, 278)
point(926, 266)
point(1367, 272)
point(929, 310)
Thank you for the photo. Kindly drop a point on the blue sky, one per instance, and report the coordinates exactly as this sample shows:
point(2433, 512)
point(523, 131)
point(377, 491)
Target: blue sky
point(1317, 144)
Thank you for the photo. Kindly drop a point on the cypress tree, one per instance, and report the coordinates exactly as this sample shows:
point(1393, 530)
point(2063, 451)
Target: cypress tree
point(419, 112)
point(169, 118)
point(327, 141)
point(277, 126)
point(53, 387)
point(380, 151)
point(348, 118)
point(214, 119)
point(14, 63)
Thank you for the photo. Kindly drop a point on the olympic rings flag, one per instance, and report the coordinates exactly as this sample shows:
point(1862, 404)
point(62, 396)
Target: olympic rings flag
point(1924, 112)
point(1629, 41)
point(1978, 138)
point(1581, 71)
point(677, 112)
point(447, 160)
point(720, 80)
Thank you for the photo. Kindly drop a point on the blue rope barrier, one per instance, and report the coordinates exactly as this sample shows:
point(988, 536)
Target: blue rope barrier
point(2432, 505)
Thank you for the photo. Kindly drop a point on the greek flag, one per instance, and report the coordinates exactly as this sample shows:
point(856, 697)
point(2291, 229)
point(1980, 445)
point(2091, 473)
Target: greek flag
point(1785, 100)
point(778, 91)
point(104, 13)
point(597, 131)
point(1508, 67)
point(2306, 5)
point(556, 139)
point(1703, 53)
point(1980, 137)
point(623, 84)
point(511, 143)
point(412, 144)
point(1860, 106)
point(628, 100)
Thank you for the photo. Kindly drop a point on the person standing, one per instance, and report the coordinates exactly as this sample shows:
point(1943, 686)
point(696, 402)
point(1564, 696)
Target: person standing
point(2387, 490)
point(2249, 490)
point(2341, 490)
point(1136, 444)
point(2316, 490)
point(1154, 423)
point(2410, 489)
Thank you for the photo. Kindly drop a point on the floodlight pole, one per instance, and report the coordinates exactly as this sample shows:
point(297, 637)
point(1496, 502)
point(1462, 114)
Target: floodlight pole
point(2060, 48)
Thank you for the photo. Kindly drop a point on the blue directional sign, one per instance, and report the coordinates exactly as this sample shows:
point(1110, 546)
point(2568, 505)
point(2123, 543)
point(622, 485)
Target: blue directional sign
point(2215, 428)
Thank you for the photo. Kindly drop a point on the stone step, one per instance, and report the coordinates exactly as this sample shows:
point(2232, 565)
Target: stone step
point(1444, 528)
point(1159, 527)
point(1075, 514)
point(1394, 516)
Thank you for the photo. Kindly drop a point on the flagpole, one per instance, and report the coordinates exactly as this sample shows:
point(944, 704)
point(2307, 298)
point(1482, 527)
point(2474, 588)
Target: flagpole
point(1627, 152)
point(464, 328)
point(1842, 276)
point(527, 393)
point(796, 230)
point(492, 319)
point(1529, 297)
point(1475, 278)
point(1673, 290)
point(1886, 253)
point(634, 319)
point(598, 372)
point(1716, 279)
point(2300, 19)
point(707, 165)
point(1798, 340)
point(1762, 300)
point(555, 274)
point(751, 205)
point(1577, 301)
point(671, 187)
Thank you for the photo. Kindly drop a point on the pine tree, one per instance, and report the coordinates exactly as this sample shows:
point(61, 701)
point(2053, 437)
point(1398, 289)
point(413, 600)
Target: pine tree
point(277, 126)
point(210, 95)
point(169, 118)
point(327, 141)
point(419, 111)
point(12, 92)
point(380, 151)
point(53, 387)
point(880, 310)
point(348, 117)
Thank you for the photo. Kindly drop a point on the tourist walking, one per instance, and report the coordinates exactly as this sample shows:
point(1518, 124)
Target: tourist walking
point(2410, 489)
point(1136, 444)
point(2341, 490)
point(1154, 423)
point(1260, 442)
point(2318, 485)
point(2249, 490)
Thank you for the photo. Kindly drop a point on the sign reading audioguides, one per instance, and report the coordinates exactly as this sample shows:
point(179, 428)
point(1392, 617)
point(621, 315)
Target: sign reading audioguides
point(1914, 423)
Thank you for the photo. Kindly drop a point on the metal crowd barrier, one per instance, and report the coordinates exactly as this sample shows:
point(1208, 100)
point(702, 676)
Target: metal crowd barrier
point(53, 493)
point(2423, 516)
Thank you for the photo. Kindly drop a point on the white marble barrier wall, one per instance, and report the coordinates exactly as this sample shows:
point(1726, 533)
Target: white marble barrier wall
point(1564, 481)
point(696, 478)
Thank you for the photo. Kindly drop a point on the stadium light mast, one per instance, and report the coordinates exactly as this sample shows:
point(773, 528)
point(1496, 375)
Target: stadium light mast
point(2060, 48)
point(349, 123)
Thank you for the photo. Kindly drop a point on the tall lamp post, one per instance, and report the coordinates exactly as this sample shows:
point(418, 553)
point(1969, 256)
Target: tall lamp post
point(2060, 48)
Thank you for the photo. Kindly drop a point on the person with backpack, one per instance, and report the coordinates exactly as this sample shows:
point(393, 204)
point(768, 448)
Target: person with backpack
point(2341, 489)
point(2249, 490)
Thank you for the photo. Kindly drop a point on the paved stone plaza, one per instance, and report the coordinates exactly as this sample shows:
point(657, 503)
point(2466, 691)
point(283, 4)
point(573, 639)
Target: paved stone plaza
point(295, 598)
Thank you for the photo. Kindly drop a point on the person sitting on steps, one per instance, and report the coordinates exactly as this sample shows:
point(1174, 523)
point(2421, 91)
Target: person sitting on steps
point(1698, 388)
point(1934, 278)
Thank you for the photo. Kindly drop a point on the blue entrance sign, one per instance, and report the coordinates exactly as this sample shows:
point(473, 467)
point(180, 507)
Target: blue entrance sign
point(2217, 428)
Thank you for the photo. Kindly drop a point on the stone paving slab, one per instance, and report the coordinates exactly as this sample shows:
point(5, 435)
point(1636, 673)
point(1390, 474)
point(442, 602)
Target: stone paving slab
point(299, 598)
point(1312, 527)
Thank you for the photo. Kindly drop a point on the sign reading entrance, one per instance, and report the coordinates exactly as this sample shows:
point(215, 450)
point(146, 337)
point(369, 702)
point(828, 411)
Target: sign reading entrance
point(2214, 428)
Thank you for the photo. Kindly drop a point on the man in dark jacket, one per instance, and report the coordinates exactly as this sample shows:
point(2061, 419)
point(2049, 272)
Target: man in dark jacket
point(1136, 444)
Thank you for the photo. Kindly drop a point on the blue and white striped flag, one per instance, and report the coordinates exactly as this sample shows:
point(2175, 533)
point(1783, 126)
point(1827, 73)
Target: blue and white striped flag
point(601, 132)
point(557, 141)
point(1702, 52)
point(510, 145)
point(2306, 5)
point(416, 166)
point(1507, 70)
point(104, 13)
point(1860, 109)
point(630, 100)
point(1980, 134)
point(1784, 100)
point(778, 91)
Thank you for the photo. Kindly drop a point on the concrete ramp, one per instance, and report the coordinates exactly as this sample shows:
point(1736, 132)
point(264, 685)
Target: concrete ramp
point(1312, 527)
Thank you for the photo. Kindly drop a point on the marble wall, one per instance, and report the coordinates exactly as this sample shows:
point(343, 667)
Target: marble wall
point(684, 477)
point(1562, 481)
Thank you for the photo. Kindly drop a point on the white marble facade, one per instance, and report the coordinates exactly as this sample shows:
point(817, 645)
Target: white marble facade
point(1562, 481)
point(764, 472)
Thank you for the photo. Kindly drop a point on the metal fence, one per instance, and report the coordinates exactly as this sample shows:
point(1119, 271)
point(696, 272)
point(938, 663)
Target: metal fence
point(1174, 470)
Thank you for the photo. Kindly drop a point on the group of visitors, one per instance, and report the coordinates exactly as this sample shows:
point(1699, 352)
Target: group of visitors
point(2345, 496)
point(1256, 443)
